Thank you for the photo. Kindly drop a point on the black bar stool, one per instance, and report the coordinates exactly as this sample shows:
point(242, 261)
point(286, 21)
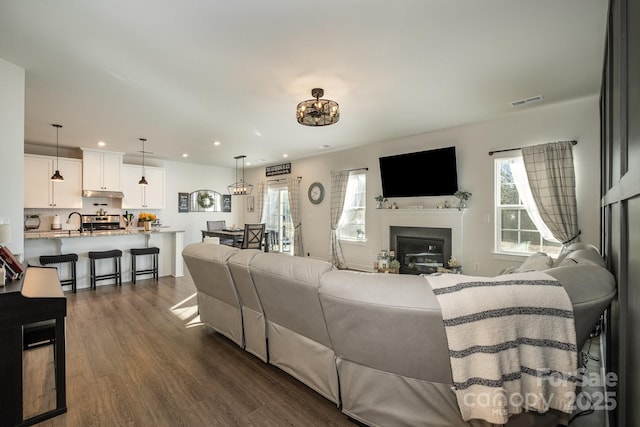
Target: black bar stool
point(114, 254)
point(63, 259)
point(144, 251)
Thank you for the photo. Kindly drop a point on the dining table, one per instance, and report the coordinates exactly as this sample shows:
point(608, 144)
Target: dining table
point(233, 235)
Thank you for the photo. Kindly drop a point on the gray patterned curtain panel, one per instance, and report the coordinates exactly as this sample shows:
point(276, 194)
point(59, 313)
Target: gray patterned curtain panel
point(552, 180)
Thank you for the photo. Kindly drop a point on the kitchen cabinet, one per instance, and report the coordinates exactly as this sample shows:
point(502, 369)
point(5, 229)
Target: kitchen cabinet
point(143, 196)
point(101, 170)
point(41, 192)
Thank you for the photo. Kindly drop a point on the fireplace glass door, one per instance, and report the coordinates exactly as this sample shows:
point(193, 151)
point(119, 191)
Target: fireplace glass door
point(418, 255)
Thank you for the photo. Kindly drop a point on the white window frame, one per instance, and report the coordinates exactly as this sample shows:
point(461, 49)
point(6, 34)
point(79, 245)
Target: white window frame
point(543, 245)
point(282, 212)
point(355, 200)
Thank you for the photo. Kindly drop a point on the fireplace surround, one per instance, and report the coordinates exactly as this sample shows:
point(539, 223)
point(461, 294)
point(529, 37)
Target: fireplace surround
point(450, 219)
point(420, 249)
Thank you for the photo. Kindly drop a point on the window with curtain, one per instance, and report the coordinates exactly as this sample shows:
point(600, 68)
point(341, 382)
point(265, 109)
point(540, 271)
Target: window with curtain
point(277, 219)
point(352, 221)
point(518, 228)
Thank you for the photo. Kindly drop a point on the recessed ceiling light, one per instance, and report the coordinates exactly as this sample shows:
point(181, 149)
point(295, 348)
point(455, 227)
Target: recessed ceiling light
point(216, 143)
point(102, 143)
point(257, 132)
point(185, 155)
point(248, 163)
point(285, 155)
point(324, 146)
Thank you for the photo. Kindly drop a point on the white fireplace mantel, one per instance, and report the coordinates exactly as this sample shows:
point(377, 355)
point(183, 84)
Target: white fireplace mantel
point(437, 218)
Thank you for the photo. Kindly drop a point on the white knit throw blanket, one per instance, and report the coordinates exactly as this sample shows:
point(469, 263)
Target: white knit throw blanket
point(512, 343)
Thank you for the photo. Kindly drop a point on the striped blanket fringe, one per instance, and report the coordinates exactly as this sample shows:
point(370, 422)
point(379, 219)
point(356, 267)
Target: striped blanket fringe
point(512, 343)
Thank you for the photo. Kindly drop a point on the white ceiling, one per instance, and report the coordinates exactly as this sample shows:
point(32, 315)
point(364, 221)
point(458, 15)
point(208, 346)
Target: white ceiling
point(186, 73)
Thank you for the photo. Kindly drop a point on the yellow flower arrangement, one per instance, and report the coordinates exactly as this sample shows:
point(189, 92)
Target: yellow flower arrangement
point(147, 216)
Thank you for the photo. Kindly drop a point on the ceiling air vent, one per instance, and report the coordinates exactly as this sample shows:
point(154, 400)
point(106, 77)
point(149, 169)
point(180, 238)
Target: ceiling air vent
point(526, 101)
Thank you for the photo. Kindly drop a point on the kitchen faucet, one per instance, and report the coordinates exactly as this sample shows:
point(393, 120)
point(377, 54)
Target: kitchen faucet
point(80, 215)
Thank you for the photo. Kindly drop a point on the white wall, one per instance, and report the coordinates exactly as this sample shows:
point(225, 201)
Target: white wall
point(577, 120)
point(12, 84)
point(185, 178)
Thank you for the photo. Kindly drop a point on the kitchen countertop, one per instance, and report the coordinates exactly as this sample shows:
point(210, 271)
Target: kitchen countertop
point(65, 234)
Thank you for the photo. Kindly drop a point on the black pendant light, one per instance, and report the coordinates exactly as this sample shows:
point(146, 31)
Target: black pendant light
point(240, 188)
point(143, 180)
point(57, 176)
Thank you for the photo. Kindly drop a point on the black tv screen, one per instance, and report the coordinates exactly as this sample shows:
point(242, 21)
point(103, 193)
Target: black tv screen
point(425, 173)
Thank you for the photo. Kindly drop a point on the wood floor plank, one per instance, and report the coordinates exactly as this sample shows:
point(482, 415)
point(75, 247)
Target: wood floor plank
point(138, 356)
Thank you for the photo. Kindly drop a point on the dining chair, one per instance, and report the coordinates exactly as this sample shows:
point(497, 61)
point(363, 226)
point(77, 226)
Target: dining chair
point(253, 236)
point(216, 225)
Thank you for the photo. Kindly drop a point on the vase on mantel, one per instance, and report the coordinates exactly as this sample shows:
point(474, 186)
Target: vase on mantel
point(462, 204)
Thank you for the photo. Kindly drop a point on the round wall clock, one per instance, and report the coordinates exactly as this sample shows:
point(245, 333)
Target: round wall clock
point(316, 193)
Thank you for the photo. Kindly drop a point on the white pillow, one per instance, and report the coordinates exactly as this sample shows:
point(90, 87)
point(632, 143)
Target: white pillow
point(536, 262)
point(510, 270)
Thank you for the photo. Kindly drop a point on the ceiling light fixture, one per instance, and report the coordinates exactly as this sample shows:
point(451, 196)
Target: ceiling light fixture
point(318, 112)
point(143, 180)
point(56, 176)
point(240, 187)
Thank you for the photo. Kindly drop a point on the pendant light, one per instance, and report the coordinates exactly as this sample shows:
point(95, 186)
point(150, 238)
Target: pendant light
point(240, 188)
point(56, 176)
point(143, 180)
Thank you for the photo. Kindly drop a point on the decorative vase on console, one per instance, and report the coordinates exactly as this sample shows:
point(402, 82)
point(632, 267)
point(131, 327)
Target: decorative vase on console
point(462, 197)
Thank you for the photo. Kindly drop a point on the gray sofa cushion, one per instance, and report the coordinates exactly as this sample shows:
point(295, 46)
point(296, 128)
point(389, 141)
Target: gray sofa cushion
point(218, 301)
point(388, 322)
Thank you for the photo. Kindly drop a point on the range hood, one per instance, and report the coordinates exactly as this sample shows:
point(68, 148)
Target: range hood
point(105, 194)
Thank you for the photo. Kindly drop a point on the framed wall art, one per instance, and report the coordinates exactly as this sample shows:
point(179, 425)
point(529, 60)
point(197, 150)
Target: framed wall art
point(183, 202)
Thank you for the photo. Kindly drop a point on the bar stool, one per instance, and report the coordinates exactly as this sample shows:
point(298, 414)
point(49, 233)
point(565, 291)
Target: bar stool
point(63, 259)
point(144, 251)
point(114, 254)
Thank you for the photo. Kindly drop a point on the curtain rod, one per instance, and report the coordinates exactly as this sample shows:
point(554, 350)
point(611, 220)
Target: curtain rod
point(281, 179)
point(357, 169)
point(491, 153)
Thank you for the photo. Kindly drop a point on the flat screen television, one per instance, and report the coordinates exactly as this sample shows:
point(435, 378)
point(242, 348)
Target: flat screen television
point(424, 173)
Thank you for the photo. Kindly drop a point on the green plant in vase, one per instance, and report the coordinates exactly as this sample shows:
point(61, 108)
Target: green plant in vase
point(381, 200)
point(462, 197)
point(394, 266)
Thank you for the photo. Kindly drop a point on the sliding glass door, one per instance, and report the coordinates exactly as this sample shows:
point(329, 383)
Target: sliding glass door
point(277, 217)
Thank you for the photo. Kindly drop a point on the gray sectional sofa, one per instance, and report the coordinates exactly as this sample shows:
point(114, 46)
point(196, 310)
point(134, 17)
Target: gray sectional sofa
point(374, 344)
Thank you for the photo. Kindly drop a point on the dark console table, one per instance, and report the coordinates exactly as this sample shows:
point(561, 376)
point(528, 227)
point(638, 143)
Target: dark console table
point(36, 297)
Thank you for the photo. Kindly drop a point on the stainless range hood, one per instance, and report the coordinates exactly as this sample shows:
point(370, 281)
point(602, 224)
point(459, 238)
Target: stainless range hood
point(105, 194)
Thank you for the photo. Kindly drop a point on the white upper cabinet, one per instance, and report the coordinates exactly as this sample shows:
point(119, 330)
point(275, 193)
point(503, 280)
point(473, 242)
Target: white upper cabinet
point(101, 170)
point(41, 192)
point(143, 196)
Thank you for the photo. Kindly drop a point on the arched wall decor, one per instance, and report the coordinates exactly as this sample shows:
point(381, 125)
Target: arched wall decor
point(205, 201)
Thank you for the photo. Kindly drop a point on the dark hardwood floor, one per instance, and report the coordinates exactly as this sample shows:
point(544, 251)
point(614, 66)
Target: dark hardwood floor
point(138, 356)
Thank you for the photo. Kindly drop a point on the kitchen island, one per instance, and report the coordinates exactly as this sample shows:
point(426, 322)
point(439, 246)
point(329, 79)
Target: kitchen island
point(170, 242)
